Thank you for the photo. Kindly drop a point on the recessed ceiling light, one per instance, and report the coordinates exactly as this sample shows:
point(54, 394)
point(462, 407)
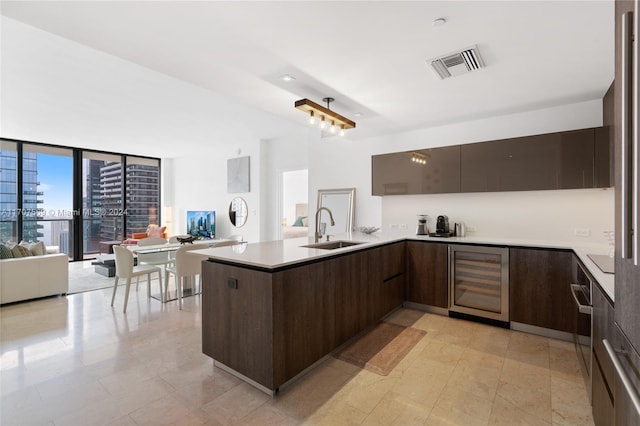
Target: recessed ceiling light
point(439, 22)
point(287, 78)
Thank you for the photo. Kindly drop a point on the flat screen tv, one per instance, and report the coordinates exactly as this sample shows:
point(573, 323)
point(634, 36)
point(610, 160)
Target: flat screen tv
point(201, 224)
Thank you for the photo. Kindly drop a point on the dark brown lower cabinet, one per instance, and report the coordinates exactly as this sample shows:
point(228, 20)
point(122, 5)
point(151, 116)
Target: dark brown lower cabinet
point(393, 277)
point(237, 323)
point(358, 289)
point(601, 397)
point(270, 326)
point(426, 272)
point(603, 372)
point(539, 292)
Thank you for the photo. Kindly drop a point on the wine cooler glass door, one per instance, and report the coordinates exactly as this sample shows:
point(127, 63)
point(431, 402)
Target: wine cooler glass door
point(479, 281)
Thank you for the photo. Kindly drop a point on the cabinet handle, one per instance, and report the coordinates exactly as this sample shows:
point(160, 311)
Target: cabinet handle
point(626, 382)
point(626, 185)
point(583, 309)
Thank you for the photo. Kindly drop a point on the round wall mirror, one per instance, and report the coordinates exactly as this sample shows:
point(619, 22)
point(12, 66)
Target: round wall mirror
point(238, 212)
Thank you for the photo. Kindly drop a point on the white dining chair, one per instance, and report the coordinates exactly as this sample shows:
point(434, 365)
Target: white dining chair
point(159, 258)
point(186, 266)
point(126, 270)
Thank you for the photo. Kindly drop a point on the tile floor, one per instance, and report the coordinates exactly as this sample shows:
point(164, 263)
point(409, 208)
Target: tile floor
point(77, 361)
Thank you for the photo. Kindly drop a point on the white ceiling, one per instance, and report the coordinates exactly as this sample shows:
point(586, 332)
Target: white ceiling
point(369, 56)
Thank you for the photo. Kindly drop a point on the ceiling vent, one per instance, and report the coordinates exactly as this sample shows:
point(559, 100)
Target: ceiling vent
point(457, 63)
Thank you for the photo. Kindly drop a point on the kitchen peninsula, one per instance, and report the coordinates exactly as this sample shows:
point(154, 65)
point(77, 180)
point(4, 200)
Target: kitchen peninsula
point(273, 309)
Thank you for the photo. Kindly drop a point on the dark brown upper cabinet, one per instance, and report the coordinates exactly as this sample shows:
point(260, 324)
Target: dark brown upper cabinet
point(553, 161)
point(604, 155)
point(564, 160)
point(423, 171)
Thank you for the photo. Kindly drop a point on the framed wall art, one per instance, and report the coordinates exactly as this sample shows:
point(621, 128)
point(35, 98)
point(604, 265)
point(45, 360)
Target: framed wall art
point(238, 174)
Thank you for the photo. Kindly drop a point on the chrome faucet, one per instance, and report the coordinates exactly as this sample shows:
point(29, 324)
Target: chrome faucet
point(318, 235)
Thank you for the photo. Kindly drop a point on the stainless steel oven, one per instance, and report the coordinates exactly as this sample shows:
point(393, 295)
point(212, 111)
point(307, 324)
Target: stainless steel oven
point(581, 292)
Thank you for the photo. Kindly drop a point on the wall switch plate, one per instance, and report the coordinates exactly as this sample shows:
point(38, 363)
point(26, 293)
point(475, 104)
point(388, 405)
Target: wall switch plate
point(393, 225)
point(470, 228)
point(232, 283)
point(403, 226)
point(581, 232)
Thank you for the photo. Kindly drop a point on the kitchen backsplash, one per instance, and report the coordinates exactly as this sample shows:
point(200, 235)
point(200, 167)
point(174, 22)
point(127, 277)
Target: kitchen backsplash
point(582, 215)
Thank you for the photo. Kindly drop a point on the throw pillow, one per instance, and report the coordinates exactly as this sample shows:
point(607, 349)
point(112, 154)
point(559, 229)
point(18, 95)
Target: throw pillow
point(156, 231)
point(37, 249)
point(298, 221)
point(305, 221)
point(20, 251)
point(5, 252)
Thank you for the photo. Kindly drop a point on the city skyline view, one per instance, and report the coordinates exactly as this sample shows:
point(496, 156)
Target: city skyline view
point(46, 211)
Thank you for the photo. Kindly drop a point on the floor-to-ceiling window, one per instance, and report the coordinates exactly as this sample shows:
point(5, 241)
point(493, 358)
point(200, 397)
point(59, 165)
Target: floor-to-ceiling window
point(47, 196)
point(102, 200)
point(143, 193)
point(8, 191)
point(75, 199)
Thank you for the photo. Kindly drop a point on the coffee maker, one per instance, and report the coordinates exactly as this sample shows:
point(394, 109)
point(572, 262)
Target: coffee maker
point(442, 227)
point(422, 229)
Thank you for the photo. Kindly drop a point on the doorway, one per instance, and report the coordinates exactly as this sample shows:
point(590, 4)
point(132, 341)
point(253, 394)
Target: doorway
point(295, 204)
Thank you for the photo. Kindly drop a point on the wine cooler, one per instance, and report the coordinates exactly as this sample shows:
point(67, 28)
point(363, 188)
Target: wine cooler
point(479, 281)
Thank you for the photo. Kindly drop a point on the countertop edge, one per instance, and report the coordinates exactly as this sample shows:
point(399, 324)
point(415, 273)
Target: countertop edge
point(284, 254)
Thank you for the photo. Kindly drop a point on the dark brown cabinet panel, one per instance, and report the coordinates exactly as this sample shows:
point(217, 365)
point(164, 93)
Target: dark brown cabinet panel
point(270, 326)
point(603, 373)
point(236, 324)
point(604, 152)
point(564, 160)
point(303, 318)
point(358, 288)
point(393, 269)
point(437, 171)
point(426, 274)
point(553, 161)
point(393, 294)
point(539, 292)
point(392, 260)
point(601, 397)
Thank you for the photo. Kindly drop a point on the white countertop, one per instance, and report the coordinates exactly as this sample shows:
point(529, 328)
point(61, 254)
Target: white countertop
point(281, 253)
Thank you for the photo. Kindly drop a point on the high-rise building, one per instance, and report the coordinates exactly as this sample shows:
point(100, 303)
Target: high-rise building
point(91, 204)
point(31, 197)
point(142, 194)
point(111, 196)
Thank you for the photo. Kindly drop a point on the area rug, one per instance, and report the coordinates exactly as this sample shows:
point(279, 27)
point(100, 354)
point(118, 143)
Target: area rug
point(83, 279)
point(381, 349)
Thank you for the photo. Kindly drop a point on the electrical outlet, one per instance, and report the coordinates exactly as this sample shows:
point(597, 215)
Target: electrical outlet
point(393, 226)
point(403, 226)
point(471, 228)
point(581, 232)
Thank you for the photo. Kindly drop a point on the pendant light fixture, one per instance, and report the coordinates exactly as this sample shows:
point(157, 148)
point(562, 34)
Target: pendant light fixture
point(327, 119)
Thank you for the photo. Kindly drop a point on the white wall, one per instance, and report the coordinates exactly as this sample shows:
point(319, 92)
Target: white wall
point(552, 215)
point(61, 92)
point(57, 91)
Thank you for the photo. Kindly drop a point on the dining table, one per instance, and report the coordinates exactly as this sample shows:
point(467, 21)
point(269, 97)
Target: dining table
point(191, 287)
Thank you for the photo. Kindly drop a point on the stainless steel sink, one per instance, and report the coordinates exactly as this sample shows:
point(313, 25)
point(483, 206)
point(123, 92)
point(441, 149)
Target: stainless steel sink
point(332, 245)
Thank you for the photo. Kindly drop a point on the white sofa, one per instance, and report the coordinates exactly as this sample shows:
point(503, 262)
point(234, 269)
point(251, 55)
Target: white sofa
point(31, 277)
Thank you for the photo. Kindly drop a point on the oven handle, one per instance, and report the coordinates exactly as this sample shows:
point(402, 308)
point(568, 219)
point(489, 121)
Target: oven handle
point(628, 386)
point(583, 309)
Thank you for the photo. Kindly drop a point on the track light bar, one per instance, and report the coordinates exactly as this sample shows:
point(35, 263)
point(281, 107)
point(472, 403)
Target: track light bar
point(323, 114)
